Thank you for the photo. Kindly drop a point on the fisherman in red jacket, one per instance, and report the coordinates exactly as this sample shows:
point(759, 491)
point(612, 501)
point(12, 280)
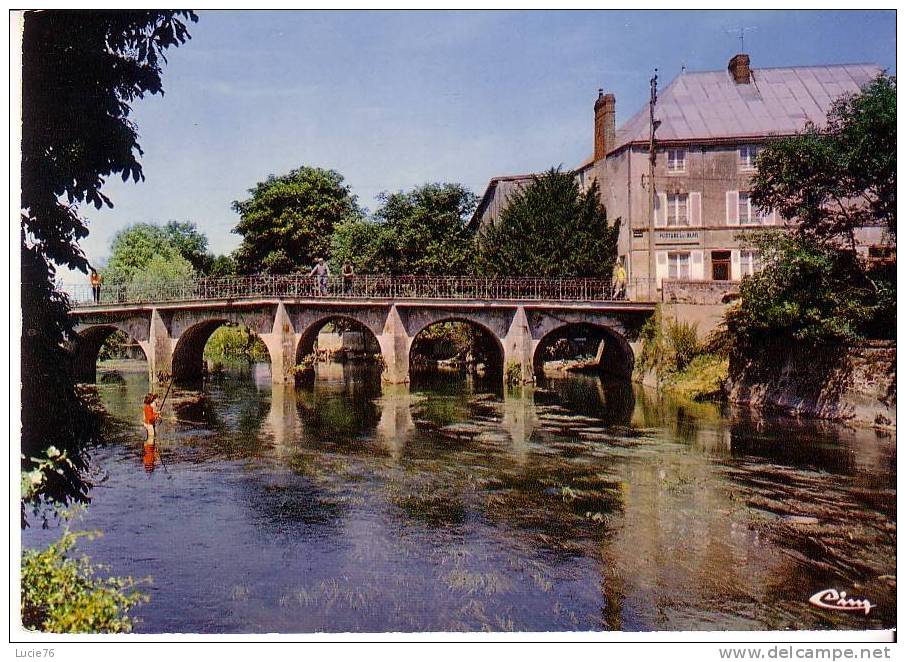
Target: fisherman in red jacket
point(151, 416)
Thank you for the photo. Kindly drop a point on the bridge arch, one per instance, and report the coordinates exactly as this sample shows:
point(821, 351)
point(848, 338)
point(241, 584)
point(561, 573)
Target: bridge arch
point(309, 335)
point(188, 353)
point(86, 347)
point(489, 344)
point(613, 352)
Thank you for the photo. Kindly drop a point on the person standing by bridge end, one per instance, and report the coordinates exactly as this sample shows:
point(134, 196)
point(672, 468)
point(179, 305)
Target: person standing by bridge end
point(619, 281)
point(321, 273)
point(95, 279)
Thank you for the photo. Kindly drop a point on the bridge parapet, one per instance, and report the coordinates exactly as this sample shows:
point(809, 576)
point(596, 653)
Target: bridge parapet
point(357, 287)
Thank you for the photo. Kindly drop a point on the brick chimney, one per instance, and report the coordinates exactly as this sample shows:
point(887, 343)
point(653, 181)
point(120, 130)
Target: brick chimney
point(739, 69)
point(605, 124)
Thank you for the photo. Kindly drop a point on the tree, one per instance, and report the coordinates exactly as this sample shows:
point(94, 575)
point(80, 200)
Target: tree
point(814, 289)
point(838, 178)
point(425, 230)
point(221, 265)
point(361, 242)
point(550, 228)
point(288, 220)
point(421, 231)
point(191, 244)
point(159, 271)
point(81, 71)
point(134, 248)
point(808, 295)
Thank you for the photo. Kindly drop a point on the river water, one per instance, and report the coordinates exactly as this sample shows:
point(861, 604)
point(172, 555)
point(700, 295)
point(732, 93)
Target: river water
point(451, 505)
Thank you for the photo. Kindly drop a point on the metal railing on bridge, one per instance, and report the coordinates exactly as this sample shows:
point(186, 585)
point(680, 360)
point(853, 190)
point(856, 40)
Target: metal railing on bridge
point(356, 287)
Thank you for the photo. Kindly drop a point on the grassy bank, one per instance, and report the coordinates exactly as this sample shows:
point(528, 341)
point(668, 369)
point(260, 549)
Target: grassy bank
point(681, 364)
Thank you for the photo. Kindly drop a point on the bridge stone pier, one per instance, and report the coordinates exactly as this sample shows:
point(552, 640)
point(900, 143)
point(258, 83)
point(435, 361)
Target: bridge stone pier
point(173, 334)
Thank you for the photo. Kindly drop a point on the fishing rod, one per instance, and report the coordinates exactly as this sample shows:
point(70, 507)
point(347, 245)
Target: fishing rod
point(164, 400)
point(167, 392)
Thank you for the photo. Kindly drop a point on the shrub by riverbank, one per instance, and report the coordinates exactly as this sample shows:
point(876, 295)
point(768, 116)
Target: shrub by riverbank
point(675, 361)
point(62, 593)
point(702, 379)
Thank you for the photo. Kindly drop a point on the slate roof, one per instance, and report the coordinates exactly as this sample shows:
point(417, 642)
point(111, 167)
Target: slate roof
point(709, 105)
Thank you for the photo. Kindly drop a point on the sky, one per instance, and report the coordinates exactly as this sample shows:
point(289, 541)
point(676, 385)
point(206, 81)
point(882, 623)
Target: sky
point(392, 100)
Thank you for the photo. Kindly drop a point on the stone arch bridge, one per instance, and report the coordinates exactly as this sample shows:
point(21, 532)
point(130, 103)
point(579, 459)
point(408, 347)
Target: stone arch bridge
point(172, 323)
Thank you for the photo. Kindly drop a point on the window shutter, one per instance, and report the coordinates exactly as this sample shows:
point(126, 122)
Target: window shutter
point(661, 267)
point(732, 207)
point(695, 210)
point(734, 265)
point(660, 210)
point(697, 268)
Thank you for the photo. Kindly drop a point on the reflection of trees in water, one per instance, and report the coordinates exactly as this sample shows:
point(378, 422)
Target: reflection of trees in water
point(291, 506)
point(798, 444)
point(340, 409)
point(611, 400)
point(682, 419)
point(453, 382)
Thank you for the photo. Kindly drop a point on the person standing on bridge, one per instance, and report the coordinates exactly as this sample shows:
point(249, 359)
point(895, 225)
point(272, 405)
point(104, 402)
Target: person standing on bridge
point(619, 282)
point(348, 275)
point(95, 279)
point(321, 272)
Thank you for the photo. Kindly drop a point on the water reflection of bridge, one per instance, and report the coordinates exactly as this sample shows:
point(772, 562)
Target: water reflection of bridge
point(518, 317)
point(329, 407)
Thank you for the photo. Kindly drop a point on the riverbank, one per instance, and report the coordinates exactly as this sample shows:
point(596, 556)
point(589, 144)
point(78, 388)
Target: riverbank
point(855, 385)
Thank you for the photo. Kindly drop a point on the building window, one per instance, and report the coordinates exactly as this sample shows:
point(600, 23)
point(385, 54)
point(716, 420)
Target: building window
point(749, 214)
point(747, 154)
point(676, 160)
point(749, 263)
point(678, 265)
point(720, 265)
point(677, 209)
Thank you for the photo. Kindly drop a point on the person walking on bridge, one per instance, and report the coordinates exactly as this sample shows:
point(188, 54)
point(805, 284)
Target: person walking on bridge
point(321, 273)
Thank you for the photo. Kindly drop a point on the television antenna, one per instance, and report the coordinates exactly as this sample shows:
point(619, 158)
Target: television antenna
point(741, 33)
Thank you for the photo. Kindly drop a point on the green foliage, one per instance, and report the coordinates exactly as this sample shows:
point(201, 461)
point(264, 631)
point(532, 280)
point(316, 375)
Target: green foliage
point(417, 232)
point(550, 228)
point(190, 244)
point(288, 221)
point(235, 343)
point(305, 366)
point(64, 594)
point(53, 413)
point(363, 243)
point(114, 346)
point(512, 373)
point(221, 265)
point(668, 346)
point(814, 289)
point(808, 294)
point(702, 379)
point(34, 481)
point(835, 179)
point(159, 271)
point(81, 72)
point(145, 254)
